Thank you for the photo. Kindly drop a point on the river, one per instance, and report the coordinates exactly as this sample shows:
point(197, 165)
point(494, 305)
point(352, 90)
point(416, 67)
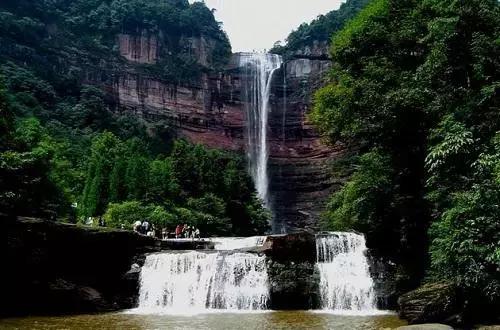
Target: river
point(264, 320)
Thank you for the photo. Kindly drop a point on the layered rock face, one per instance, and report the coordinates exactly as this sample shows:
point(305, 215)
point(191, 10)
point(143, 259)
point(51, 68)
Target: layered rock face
point(299, 164)
point(211, 111)
point(139, 48)
point(206, 111)
point(317, 50)
point(58, 268)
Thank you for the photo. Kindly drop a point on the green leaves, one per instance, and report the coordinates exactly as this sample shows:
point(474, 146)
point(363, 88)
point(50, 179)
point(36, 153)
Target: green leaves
point(357, 205)
point(320, 29)
point(193, 185)
point(362, 23)
point(454, 140)
point(417, 81)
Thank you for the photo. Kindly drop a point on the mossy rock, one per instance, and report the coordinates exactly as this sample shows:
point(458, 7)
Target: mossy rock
point(435, 302)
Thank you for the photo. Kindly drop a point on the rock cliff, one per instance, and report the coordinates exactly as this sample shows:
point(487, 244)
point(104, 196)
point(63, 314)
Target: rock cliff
point(58, 268)
point(210, 111)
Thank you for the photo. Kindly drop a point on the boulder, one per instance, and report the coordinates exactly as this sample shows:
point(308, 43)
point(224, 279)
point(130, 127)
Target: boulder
point(61, 268)
point(435, 302)
point(293, 286)
point(384, 274)
point(298, 248)
point(293, 276)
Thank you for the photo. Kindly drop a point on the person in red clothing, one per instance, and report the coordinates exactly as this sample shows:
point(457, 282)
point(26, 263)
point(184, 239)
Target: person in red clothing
point(178, 231)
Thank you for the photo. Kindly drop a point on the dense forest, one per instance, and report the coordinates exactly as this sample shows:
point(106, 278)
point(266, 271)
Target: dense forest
point(66, 153)
point(415, 86)
point(320, 29)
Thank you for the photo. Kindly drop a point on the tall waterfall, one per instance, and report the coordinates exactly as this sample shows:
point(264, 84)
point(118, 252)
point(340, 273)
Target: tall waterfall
point(197, 282)
point(260, 68)
point(345, 282)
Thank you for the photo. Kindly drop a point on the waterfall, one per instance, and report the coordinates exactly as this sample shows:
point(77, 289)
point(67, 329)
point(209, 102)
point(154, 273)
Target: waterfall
point(345, 282)
point(283, 124)
point(198, 282)
point(259, 69)
point(237, 243)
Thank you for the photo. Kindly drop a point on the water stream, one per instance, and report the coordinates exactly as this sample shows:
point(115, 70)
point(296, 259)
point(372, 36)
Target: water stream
point(194, 282)
point(227, 279)
point(259, 70)
point(345, 285)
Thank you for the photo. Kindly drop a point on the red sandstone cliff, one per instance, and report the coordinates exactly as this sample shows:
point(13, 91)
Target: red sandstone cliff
point(210, 111)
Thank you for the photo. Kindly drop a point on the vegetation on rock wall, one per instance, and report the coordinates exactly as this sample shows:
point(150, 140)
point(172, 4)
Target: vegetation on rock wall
point(65, 151)
point(79, 35)
point(319, 30)
point(416, 83)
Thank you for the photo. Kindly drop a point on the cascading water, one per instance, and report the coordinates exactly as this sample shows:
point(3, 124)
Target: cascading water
point(283, 123)
point(345, 282)
point(260, 68)
point(197, 282)
point(237, 243)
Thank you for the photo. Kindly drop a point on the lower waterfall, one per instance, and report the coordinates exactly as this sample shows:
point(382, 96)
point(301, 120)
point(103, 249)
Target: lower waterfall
point(345, 282)
point(198, 282)
point(237, 243)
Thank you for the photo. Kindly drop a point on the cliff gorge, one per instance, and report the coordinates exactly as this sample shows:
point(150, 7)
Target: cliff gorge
point(211, 111)
point(168, 73)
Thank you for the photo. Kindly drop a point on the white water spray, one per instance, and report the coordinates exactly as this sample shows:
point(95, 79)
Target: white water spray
point(237, 243)
point(196, 282)
point(260, 68)
point(283, 124)
point(345, 284)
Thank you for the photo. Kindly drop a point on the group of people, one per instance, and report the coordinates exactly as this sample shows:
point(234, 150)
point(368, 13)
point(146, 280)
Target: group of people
point(186, 231)
point(145, 228)
point(181, 231)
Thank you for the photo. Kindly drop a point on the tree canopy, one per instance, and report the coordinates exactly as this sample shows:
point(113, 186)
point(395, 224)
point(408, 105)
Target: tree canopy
point(415, 86)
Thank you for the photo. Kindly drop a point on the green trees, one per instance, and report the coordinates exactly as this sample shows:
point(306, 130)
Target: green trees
point(416, 83)
point(25, 165)
point(320, 29)
point(62, 142)
point(105, 151)
point(362, 201)
point(125, 183)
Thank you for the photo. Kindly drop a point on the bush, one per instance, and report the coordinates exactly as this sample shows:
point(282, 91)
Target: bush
point(125, 213)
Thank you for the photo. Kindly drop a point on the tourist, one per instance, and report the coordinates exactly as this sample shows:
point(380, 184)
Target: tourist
point(152, 232)
point(197, 233)
point(145, 227)
point(137, 226)
point(178, 231)
point(164, 233)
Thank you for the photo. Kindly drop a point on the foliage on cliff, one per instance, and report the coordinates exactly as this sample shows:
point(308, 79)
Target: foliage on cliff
point(65, 41)
point(63, 142)
point(319, 30)
point(417, 84)
point(194, 185)
point(45, 169)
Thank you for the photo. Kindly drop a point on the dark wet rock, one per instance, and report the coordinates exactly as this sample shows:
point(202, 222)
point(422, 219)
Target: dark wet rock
point(293, 276)
point(293, 286)
point(298, 247)
point(59, 268)
point(384, 274)
point(435, 302)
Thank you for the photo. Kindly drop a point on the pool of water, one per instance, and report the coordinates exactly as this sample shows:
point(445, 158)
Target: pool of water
point(267, 320)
